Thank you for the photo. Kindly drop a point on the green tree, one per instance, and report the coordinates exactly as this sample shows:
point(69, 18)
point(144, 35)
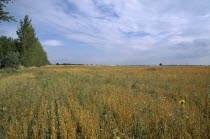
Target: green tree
point(4, 16)
point(7, 45)
point(31, 51)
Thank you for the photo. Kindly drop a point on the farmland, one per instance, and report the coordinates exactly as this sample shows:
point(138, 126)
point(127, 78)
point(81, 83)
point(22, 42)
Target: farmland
point(105, 102)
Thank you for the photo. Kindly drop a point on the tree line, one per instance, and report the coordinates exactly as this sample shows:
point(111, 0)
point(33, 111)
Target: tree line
point(26, 50)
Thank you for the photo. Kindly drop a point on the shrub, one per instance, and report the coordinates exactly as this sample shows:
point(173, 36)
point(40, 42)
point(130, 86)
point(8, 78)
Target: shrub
point(11, 60)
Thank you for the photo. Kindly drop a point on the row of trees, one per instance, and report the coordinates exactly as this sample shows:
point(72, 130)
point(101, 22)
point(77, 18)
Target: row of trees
point(30, 49)
point(26, 49)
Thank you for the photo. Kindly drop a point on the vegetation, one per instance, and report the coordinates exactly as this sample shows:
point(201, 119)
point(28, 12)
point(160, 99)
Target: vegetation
point(9, 55)
point(4, 16)
point(7, 45)
point(11, 61)
point(105, 102)
point(31, 51)
point(27, 45)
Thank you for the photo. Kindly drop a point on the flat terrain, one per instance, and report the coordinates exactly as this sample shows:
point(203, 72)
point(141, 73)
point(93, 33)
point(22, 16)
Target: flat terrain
point(105, 102)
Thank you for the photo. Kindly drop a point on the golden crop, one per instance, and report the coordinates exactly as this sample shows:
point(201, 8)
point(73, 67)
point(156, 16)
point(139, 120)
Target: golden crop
point(106, 102)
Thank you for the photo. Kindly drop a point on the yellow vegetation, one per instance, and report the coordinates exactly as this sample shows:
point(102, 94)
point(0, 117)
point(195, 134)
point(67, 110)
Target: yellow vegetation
point(105, 102)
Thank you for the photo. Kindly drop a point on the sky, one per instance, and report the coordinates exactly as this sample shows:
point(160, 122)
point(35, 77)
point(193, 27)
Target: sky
point(118, 32)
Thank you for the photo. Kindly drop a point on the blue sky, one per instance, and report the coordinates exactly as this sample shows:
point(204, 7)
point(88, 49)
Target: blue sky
point(118, 31)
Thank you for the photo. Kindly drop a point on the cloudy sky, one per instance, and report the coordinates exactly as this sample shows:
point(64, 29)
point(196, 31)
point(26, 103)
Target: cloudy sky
point(118, 31)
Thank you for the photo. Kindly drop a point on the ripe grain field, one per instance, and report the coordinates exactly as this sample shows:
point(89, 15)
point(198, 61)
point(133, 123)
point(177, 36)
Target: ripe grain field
point(102, 102)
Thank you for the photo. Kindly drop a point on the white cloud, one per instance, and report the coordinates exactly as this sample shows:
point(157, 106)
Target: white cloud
point(105, 24)
point(52, 43)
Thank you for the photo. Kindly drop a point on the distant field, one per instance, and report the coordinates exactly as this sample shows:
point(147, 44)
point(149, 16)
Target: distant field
point(105, 102)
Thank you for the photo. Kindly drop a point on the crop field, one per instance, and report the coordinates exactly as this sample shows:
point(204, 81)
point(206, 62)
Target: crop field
point(103, 102)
